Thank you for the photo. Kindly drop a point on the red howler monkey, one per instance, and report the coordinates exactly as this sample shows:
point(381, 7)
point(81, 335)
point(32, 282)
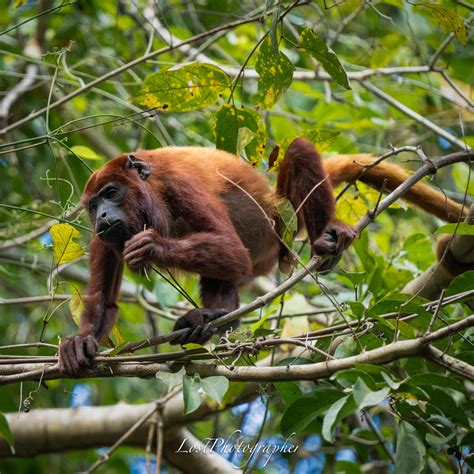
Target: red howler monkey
point(207, 212)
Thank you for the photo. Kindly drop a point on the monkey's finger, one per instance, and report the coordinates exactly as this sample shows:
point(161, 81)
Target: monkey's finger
point(206, 334)
point(181, 339)
point(194, 336)
point(79, 351)
point(215, 314)
point(90, 347)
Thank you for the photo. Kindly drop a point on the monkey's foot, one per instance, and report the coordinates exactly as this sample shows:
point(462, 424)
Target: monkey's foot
point(197, 322)
point(336, 238)
point(76, 355)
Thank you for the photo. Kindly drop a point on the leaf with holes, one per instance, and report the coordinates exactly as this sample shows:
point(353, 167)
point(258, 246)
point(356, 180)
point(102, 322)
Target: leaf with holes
point(448, 20)
point(179, 89)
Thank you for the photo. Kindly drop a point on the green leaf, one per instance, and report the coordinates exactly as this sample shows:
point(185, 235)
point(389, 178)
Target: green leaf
point(64, 247)
point(5, 432)
point(171, 379)
point(305, 409)
point(439, 442)
point(216, 387)
point(348, 348)
point(410, 453)
point(276, 73)
point(237, 129)
point(288, 222)
point(460, 284)
point(85, 152)
point(356, 278)
point(364, 397)
point(463, 228)
point(448, 20)
point(438, 380)
point(182, 88)
point(192, 393)
point(337, 411)
point(347, 467)
point(289, 391)
point(314, 45)
point(348, 378)
point(321, 138)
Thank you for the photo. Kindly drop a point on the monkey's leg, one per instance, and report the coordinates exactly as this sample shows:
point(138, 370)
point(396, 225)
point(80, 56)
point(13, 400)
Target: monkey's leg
point(218, 297)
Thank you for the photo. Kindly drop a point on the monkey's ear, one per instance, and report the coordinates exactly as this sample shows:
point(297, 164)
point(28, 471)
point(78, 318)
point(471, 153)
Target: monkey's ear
point(143, 167)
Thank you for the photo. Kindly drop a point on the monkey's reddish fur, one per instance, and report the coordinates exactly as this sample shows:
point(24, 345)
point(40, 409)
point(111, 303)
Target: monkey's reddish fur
point(205, 211)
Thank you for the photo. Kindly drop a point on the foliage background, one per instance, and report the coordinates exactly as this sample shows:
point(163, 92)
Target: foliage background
point(44, 166)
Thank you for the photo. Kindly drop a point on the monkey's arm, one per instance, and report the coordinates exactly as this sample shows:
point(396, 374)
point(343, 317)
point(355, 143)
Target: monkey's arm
point(212, 249)
point(100, 309)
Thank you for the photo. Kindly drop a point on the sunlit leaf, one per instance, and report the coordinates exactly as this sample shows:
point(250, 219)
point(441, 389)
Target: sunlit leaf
point(182, 88)
point(76, 305)
point(64, 247)
point(85, 152)
point(448, 19)
point(463, 228)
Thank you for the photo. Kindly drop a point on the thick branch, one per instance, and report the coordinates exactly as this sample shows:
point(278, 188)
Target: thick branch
point(381, 355)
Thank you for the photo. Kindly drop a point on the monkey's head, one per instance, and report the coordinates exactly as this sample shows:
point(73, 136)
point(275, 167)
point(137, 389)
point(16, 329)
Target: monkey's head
point(118, 200)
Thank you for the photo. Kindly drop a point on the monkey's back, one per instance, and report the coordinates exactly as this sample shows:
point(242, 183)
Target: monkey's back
point(231, 184)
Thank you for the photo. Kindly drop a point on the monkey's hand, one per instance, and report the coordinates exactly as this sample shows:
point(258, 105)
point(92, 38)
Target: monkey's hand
point(76, 355)
point(142, 251)
point(336, 238)
point(197, 321)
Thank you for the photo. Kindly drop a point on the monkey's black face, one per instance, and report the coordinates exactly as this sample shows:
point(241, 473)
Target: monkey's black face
point(105, 208)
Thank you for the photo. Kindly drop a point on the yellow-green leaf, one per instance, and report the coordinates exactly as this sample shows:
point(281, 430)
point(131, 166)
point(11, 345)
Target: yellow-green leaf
point(179, 89)
point(76, 305)
point(85, 152)
point(64, 247)
point(321, 138)
point(463, 228)
point(449, 20)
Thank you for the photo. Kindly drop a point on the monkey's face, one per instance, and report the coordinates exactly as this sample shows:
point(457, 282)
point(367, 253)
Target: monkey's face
point(107, 213)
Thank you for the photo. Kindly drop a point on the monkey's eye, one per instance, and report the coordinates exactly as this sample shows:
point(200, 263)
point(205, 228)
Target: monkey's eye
point(92, 207)
point(111, 193)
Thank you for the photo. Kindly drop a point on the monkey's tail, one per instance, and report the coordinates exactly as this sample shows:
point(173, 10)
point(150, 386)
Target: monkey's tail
point(346, 168)
point(303, 180)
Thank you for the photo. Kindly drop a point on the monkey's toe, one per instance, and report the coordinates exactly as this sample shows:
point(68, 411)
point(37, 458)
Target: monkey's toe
point(197, 321)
